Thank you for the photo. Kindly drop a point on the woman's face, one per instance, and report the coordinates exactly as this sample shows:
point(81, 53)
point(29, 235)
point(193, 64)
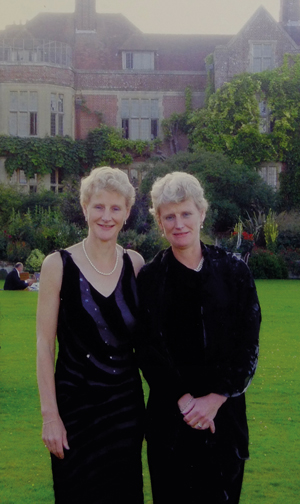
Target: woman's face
point(106, 213)
point(181, 223)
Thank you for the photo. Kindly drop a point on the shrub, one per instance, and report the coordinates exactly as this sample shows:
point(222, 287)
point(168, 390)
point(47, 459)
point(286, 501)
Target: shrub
point(34, 261)
point(266, 265)
point(17, 251)
point(3, 274)
point(292, 260)
point(146, 244)
point(288, 239)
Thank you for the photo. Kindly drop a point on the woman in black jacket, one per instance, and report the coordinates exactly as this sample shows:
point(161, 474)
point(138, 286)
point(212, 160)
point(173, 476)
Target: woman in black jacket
point(198, 350)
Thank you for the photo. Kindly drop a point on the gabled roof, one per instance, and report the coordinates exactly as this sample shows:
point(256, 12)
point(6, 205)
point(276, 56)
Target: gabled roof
point(261, 13)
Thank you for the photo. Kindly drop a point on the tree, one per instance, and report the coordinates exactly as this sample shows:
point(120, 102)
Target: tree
point(230, 123)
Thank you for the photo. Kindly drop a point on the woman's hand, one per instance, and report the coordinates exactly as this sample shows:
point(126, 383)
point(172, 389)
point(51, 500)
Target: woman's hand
point(203, 411)
point(55, 437)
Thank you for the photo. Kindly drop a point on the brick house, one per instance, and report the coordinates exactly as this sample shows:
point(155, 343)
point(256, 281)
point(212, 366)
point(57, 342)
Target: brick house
point(60, 72)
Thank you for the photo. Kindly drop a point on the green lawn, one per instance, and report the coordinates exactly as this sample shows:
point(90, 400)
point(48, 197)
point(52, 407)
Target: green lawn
point(272, 474)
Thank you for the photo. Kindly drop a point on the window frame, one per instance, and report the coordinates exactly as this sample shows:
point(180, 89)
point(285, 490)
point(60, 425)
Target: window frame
point(140, 118)
point(23, 113)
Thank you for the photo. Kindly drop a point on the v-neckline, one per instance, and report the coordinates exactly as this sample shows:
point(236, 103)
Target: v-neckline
point(91, 285)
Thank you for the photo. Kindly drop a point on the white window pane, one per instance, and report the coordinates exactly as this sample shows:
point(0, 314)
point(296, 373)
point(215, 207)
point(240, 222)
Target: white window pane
point(135, 109)
point(125, 109)
point(60, 103)
point(154, 109)
point(146, 61)
point(257, 51)
point(145, 108)
point(145, 129)
point(134, 129)
point(272, 176)
point(33, 101)
point(14, 101)
point(23, 105)
point(13, 123)
point(137, 61)
point(257, 65)
point(22, 177)
point(22, 124)
point(263, 173)
point(267, 50)
point(53, 103)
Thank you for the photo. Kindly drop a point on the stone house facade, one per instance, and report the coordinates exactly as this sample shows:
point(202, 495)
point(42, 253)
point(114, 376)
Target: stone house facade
point(60, 72)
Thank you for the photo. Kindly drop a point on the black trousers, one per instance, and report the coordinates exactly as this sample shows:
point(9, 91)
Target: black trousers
point(195, 476)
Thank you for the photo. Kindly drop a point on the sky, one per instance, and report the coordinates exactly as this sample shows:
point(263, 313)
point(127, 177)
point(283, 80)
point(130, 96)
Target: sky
point(153, 16)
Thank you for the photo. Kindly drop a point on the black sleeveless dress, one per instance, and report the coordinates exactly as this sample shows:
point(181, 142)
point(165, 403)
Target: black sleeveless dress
point(99, 391)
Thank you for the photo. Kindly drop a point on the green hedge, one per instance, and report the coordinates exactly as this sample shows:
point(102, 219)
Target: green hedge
point(267, 265)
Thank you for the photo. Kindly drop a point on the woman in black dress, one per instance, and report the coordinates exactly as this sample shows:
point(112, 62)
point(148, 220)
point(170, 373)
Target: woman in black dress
point(92, 406)
point(198, 349)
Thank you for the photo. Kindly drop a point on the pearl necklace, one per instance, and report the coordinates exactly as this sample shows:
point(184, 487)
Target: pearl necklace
point(98, 271)
point(199, 267)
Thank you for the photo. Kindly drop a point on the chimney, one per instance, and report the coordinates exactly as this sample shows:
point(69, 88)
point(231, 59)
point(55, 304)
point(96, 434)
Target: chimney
point(85, 15)
point(289, 13)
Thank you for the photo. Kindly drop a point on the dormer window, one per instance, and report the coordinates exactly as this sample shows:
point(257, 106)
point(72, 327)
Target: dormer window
point(138, 60)
point(262, 56)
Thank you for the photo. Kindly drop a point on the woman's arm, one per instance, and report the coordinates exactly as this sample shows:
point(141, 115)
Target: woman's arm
point(54, 433)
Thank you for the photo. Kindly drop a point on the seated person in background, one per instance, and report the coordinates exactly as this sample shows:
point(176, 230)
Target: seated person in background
point(13, 281)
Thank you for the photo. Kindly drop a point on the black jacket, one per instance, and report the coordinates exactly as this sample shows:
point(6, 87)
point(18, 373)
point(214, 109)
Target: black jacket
point(231, 320)
point(13, 281)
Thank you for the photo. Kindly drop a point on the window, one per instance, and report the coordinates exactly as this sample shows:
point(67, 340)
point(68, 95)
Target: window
point(264, 121)
point(56, 181)
point(262, 57)
point(23, 113)
point(140, 118)
point(270, 174)
point(138, 60)
point(56, 114)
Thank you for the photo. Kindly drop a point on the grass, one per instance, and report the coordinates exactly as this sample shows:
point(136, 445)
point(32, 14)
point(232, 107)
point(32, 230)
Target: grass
point(273, 403)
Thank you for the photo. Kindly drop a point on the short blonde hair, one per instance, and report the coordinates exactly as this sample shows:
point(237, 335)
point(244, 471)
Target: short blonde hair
point(107, 179)
point(176, 187)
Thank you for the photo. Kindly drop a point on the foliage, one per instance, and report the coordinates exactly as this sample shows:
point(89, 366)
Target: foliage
point(69, 203)
point(43, 229)
point(230, 123)
point(288, 239)
point(177, 123)
point(34, 261)
point(288, 221)
point(271, 231)
point(17, 251)
point(9, 198)
point(148, 244)
point(264, 264)
point(291, 258)
point(103, 145)
point(42, 155)
point(232, 190)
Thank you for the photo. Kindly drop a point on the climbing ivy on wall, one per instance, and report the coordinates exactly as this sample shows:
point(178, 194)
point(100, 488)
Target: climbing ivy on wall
point(230, 123)
point(104, 145)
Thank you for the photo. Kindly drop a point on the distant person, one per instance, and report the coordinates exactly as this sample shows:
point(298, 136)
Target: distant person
point(13, 280)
